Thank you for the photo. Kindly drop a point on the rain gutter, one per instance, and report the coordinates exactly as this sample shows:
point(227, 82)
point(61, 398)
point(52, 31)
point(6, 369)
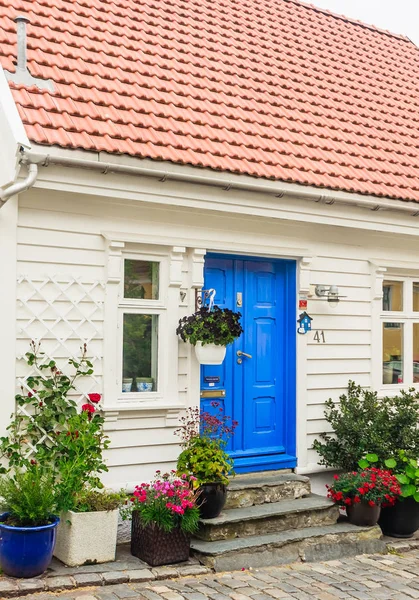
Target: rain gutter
point(275, 188)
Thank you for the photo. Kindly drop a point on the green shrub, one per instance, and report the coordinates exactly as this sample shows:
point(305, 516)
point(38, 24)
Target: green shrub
point(96, 500)
point(29, 497)
point(364, 423)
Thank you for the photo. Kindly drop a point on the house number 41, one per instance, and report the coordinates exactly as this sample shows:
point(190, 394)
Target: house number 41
point(319, 337)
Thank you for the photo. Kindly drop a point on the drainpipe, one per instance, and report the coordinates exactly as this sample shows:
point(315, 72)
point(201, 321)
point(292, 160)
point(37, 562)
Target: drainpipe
point(20, 186)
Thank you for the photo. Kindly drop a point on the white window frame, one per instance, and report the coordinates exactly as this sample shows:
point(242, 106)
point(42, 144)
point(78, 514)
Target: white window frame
point(166, 397)
point(406, 317)
point(138, 306)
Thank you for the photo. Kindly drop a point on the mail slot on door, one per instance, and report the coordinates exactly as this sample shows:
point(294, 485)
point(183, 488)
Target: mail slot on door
point(212, 393)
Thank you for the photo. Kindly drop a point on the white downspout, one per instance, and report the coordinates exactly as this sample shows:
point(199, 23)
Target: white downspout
point(20, 186)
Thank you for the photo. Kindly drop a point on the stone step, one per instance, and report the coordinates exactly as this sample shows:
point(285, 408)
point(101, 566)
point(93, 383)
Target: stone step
point(268, 518)
point(250, 490)
point(310, 544)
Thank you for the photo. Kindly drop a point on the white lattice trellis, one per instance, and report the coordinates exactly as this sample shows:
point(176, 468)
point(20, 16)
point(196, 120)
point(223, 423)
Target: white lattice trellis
point(62, 314)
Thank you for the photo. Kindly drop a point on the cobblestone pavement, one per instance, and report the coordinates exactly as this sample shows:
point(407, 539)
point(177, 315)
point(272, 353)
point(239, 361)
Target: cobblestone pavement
point(389, 577)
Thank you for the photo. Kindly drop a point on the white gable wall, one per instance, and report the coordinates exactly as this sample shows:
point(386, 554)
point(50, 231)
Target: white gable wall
point(64, 234)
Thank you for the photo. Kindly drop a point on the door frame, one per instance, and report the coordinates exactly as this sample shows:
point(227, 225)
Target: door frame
point(287, 460)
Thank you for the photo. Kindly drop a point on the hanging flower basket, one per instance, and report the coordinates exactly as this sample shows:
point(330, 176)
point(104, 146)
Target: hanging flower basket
point(157, 547)
point(210, 354)
point(210, 330)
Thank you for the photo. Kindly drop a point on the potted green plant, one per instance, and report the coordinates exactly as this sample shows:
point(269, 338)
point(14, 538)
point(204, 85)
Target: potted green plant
point(210, 331)
point(164, 515)
point(204, 437)
point(362, 493)
point(401, 520)
point(28, 527)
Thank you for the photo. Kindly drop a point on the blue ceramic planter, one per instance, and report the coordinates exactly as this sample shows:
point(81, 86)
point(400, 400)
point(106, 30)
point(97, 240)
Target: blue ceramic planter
point(26, 551)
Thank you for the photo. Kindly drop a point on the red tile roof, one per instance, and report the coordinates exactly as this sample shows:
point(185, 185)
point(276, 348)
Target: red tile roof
point(268, 88)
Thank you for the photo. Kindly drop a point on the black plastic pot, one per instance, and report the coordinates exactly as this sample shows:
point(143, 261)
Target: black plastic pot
point(400, 520)
point(211, 499)
point(363, 515)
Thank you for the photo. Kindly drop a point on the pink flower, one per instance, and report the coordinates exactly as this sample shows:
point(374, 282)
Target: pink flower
point(95, 398)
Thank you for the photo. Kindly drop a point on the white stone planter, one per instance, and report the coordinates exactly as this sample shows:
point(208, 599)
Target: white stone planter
point(88, 537)
point(210, 354)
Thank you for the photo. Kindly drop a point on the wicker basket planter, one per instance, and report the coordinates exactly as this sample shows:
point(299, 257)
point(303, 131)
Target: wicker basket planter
point(156, 547)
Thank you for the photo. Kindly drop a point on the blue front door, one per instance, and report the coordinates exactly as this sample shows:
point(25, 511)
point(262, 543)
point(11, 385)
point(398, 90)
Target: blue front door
point(257, 390)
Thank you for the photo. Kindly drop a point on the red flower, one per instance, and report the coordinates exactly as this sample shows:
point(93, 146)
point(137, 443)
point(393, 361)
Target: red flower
point(30, 394)
point(371, 503)
point(95, 398)
point(357, 500)
point(88, 408)
point(348, 501)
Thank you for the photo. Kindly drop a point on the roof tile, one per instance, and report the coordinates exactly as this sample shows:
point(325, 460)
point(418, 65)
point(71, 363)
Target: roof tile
point(269, 88)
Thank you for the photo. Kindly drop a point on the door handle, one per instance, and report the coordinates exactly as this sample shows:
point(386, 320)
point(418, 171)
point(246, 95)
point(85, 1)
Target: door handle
point(240, 353)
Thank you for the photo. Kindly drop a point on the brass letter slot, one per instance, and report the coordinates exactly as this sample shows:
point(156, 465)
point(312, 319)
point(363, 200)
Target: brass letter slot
point(212, 393)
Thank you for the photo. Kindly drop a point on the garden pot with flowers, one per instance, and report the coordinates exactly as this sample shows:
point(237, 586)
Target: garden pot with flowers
point(402, 519)
point(28, 527)
point(204, 437)
point(164, 516)
point(65, 442)
point(362, 493)
point(210, 330)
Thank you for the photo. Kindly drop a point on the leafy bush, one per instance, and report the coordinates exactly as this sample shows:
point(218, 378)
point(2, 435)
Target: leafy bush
point(168, 502)
point(29, 496)
point(90, 500)
point(204, 437)
point(218, 326)
point(363, 423)
point(406, 469)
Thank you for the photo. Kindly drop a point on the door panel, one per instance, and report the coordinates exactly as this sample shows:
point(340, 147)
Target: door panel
point(258, 392)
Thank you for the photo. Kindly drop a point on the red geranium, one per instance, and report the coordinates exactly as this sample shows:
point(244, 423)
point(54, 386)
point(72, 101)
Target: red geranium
point(370, 486)
point(95, 398)
point(88, 408)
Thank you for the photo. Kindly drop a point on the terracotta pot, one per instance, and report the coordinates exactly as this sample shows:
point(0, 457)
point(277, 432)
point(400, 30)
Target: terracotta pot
point(210, 354)
point(156, 547)
point(400, 520)
point(211, 499)
point(363, 514)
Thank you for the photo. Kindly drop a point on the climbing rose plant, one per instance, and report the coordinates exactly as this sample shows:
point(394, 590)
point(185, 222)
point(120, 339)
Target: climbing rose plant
point(52, 433)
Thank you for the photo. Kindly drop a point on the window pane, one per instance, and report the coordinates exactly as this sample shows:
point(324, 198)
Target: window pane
point(140, 353)
point(392, 353)
point(416, 296)
point(393, 295)
point(141, 279)
point(415, 352)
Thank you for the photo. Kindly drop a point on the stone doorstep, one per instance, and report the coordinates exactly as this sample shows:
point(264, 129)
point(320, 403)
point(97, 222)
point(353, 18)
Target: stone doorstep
point(311, 544)
point(254, 489)
point(269, 518)
point(12, 588)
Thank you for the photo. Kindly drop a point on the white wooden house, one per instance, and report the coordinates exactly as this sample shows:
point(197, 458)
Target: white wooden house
point(268, 150)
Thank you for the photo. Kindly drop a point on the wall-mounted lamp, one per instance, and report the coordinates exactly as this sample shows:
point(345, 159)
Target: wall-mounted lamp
point(329, 293)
